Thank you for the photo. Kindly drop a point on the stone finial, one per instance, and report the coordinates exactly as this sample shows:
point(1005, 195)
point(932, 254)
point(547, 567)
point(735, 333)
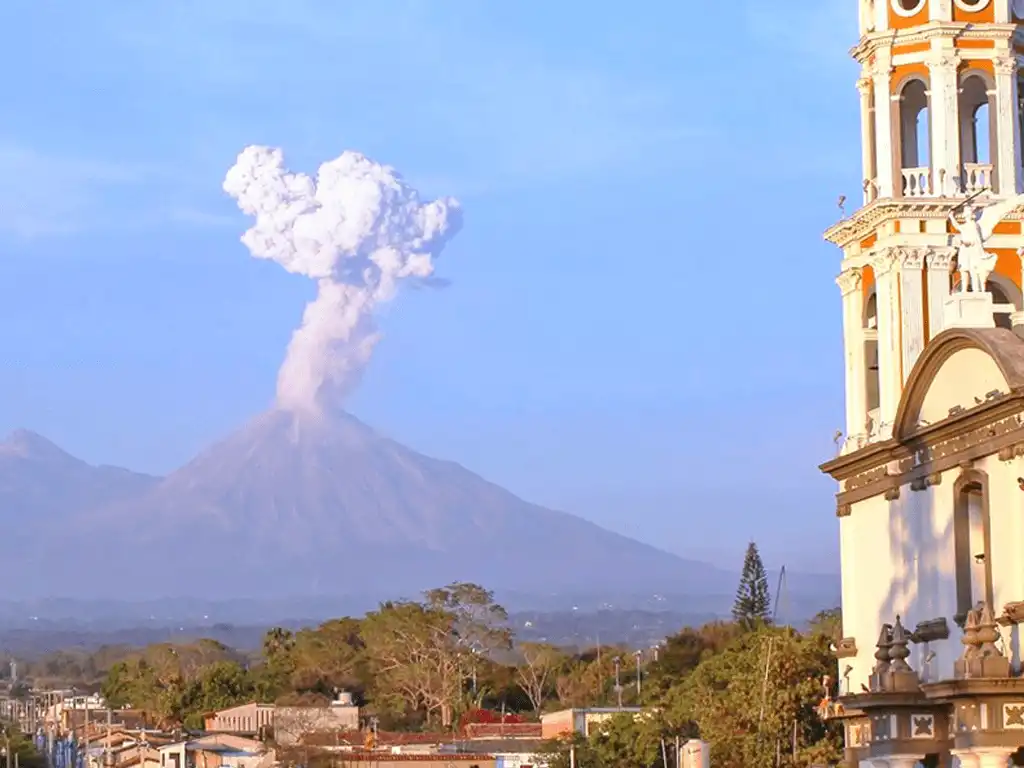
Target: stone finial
point(970, 636)
point(882, 649)
point(987, 632)
point(898, 650)
point(982, 657)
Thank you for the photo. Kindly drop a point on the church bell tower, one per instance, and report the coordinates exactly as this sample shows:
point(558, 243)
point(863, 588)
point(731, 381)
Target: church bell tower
point(941, 123)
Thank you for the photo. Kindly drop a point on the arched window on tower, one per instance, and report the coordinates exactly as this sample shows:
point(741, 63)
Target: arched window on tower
point(915, 139)
point(977, 132)
point(871, 383)
point(971, 540)
point(1007, 298)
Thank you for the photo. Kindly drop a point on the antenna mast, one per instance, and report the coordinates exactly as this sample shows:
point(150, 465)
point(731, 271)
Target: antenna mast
point(778, 595)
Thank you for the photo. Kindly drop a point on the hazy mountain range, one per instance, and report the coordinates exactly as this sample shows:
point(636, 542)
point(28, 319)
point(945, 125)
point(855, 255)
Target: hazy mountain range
point(324, 508)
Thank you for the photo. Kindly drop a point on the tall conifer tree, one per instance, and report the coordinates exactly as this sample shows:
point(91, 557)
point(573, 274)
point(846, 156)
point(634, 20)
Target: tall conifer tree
point(753, 604)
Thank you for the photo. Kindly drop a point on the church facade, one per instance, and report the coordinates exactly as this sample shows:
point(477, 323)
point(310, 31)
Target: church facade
point(930, 472)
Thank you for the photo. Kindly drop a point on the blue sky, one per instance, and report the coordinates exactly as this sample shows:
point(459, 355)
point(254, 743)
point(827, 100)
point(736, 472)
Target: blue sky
point(641, 327)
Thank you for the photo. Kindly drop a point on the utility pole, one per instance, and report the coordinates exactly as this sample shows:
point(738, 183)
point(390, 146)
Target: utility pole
point(618, 687)
point(639, 654)
point(108, 757)
point(85, 735)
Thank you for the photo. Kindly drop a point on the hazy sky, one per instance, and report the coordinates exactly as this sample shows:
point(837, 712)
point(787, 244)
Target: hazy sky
point(642, 325)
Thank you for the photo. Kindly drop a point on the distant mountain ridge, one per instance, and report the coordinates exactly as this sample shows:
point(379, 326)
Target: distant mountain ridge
point(291, 505)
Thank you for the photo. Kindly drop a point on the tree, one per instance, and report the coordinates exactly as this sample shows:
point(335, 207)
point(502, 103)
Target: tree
point(829, 623)
point(752, 699)
point(753, 603)
point(537, 671)
point(683, 651)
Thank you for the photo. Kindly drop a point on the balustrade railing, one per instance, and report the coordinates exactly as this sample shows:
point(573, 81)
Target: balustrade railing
point(975, 178)
point(920, 182)
point(917, 182)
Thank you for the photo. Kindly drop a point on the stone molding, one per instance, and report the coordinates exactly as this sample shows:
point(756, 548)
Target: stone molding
point(866, 221)
point(974, 434)
point(874, 43)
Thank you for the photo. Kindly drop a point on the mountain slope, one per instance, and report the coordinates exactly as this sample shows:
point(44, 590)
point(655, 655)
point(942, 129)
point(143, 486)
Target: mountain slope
point(42, 486)
point(288, 505)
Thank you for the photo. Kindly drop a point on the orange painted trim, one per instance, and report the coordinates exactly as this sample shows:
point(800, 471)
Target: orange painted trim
point(1008, 265)
point(980, 64)
point(975, 44)
point(1007, 228)
point(867, 284)
point(868, 241)
point(913, 48)
point(904, 71)
point(906, 22)
point(986, 15)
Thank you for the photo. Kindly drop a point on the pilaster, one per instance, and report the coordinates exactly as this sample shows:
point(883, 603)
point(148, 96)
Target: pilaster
point(940, 263)
point(886, 161)
point(849, 283)
point(1007, 159)
point(938, 10)
point(865, 87)
point(945, 150)
point(911, 306)
point(890, 378)
point(1001, 13)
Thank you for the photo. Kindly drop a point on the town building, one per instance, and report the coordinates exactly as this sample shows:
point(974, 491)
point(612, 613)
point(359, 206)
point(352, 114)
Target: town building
point(286, 724)
point(583, 721)
point(931, 465)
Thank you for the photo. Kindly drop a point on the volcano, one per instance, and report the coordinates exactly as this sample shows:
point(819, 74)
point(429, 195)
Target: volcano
point(299, 504)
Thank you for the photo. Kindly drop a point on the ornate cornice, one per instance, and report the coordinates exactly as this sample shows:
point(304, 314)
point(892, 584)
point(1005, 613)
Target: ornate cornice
point(884, 468)
point(875, 43)
point(866, 221)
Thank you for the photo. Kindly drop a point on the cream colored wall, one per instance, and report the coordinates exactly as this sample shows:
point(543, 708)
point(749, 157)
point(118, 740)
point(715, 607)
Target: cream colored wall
point(963, 381)
point(897, 557)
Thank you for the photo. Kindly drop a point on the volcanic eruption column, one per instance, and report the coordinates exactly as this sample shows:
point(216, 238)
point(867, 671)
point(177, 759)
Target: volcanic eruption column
point(358, 230)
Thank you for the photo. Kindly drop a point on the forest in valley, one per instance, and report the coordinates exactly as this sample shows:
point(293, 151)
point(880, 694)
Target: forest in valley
point(749, 688)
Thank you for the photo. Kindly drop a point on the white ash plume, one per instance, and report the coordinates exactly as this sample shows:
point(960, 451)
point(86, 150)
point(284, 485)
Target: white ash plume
point(358, 230)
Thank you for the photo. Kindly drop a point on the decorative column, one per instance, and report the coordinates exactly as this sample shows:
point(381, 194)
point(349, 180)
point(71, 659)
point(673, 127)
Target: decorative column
point(886, 159)
point(991, 757)
point(867, 139)
point(898, 761)
point(944, 113)
point(849, 283)
point(966, 758)
point(911, 278)
point(1008, 155)
point(939, 262)
point(890, 379)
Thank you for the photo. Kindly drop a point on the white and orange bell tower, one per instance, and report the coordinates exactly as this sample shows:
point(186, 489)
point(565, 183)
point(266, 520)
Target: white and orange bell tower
point(941, 121)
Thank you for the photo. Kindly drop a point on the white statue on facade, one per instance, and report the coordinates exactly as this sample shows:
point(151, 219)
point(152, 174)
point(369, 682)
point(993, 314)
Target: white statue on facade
point(973, 262)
